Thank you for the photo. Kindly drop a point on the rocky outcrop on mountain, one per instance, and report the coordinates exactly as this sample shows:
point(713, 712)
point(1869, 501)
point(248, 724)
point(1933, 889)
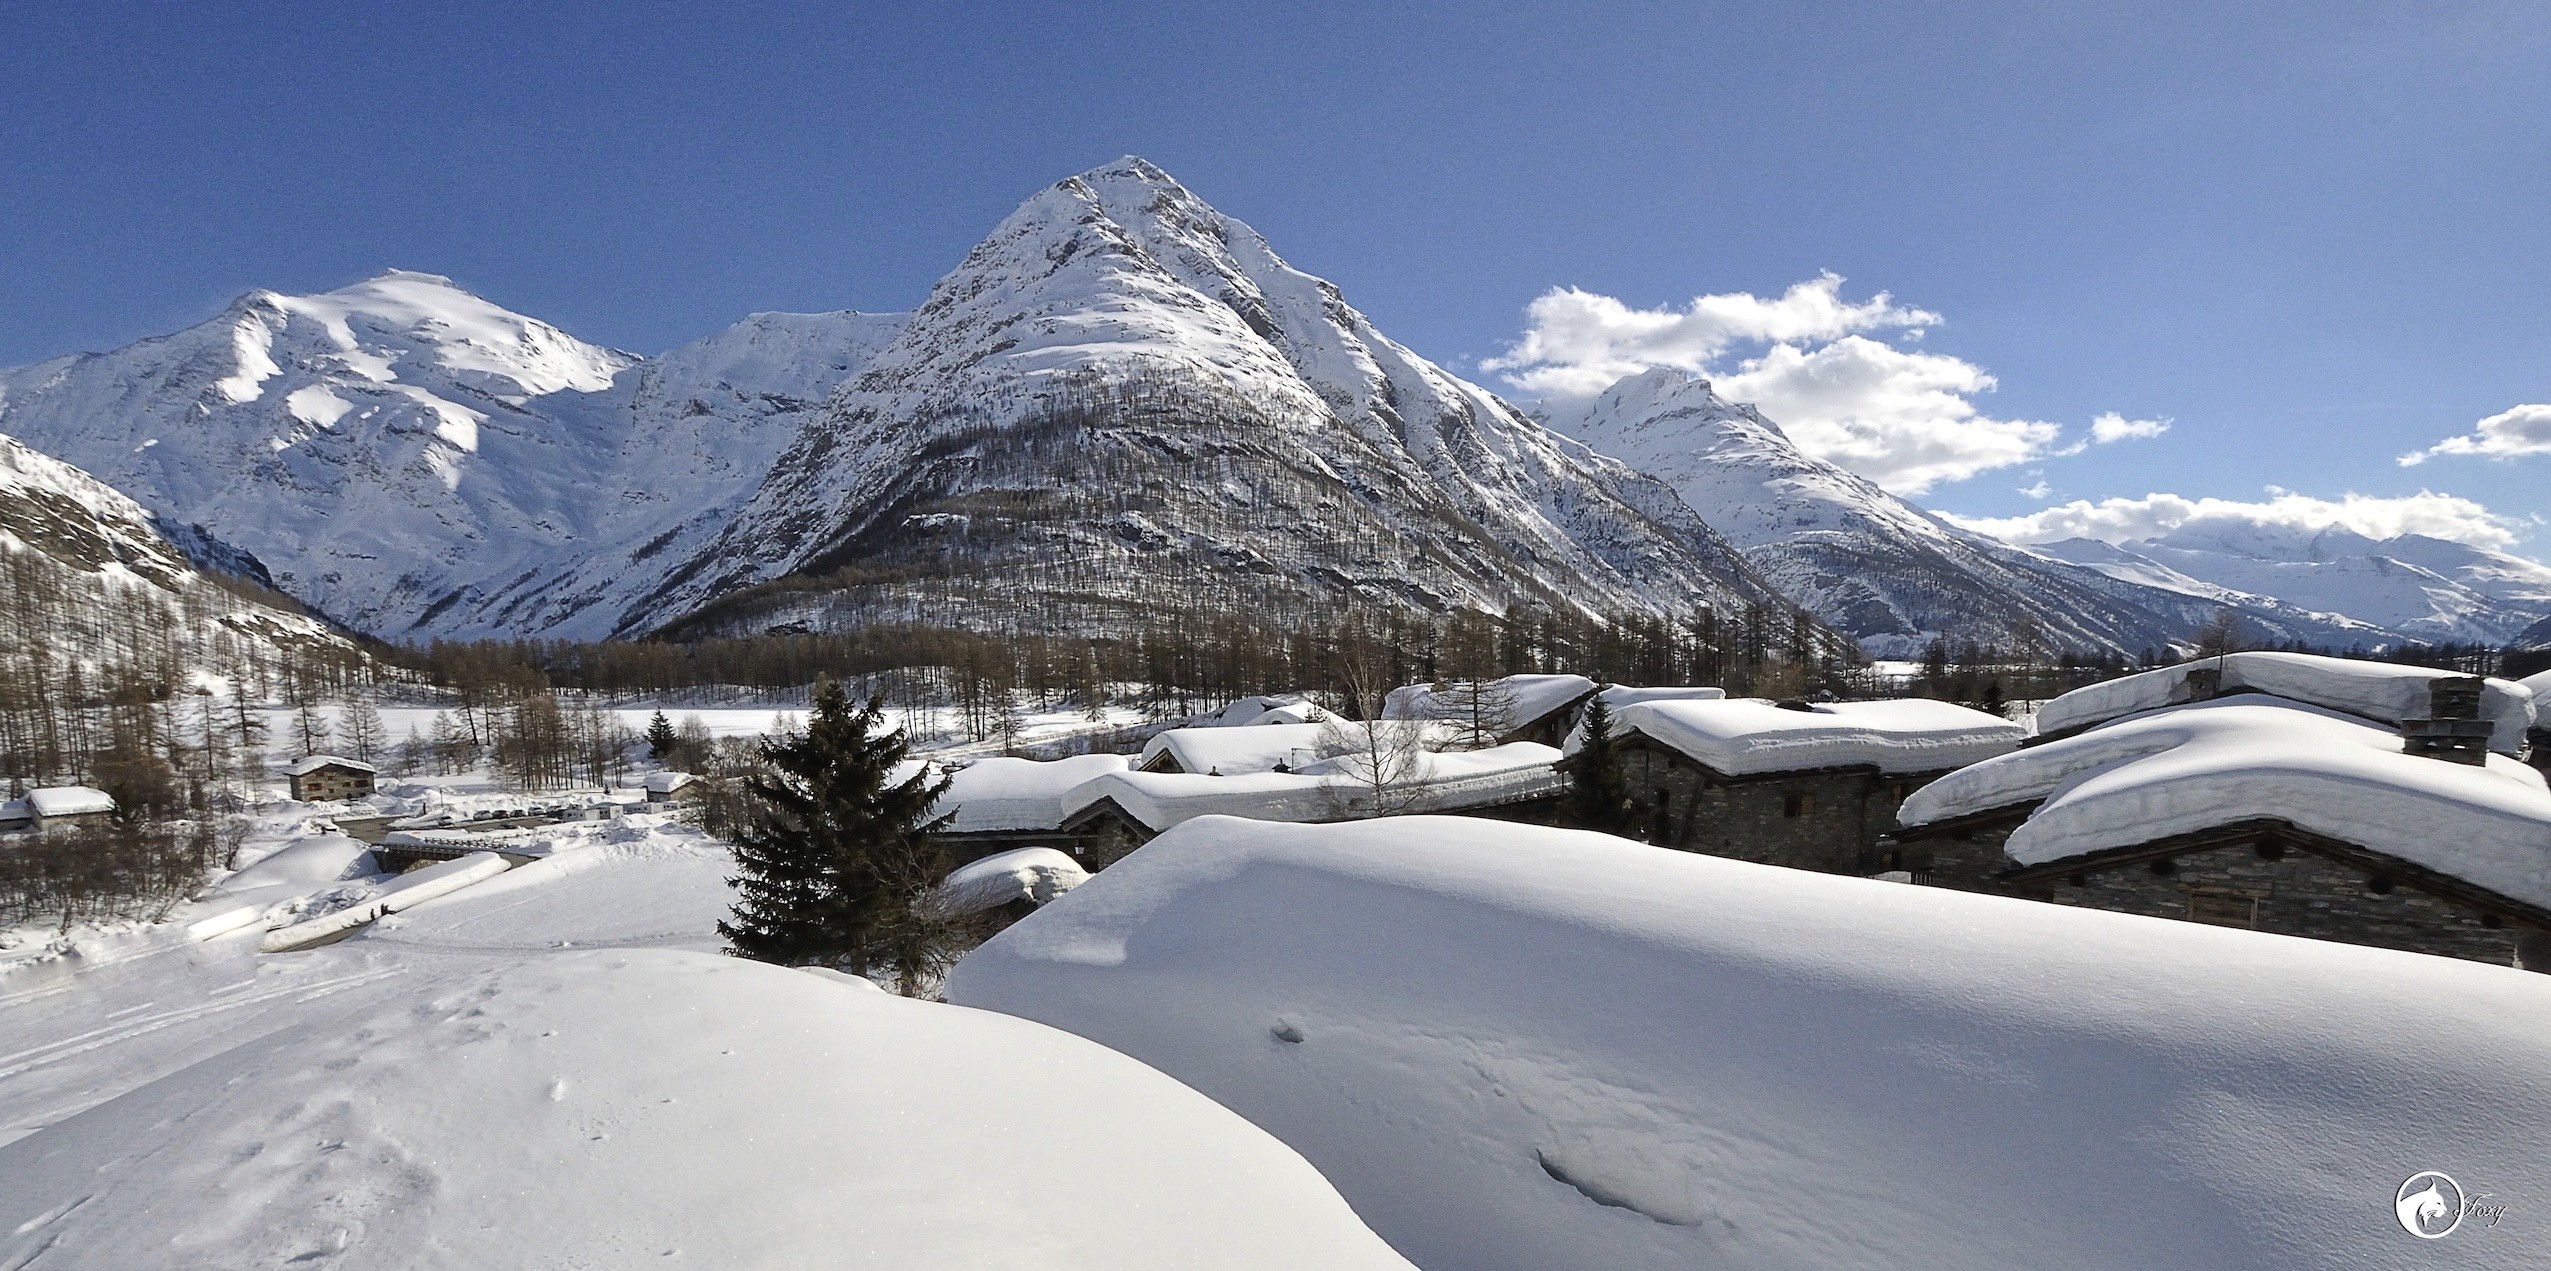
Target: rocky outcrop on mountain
point(1123, 399)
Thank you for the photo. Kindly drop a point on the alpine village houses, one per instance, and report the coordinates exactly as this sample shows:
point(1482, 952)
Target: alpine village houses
point(2349, 801)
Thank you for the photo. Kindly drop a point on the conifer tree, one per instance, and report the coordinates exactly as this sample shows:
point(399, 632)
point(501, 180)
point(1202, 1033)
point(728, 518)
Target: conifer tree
point(839, 862)
point(1596, 794)
point(661, 739)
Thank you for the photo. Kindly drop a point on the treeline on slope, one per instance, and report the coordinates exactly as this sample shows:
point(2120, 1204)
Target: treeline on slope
point(1178, 663)
point(111, 683)
point(105, 681)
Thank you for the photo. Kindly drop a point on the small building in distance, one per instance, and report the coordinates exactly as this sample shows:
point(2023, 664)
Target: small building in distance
point(2358, 802)
point(329, 778)
point(1534, 708)
point(57, 807)
point(1809, 786)
point(1007, 886)
point(2539, 737)
point(1233, 751)
point(1004, 804)
point(1113, 814)
point(665, 787)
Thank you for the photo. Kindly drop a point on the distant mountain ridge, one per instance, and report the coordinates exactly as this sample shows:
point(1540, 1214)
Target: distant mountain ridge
point(414, 460)
point(1121, 398)
point(1893, 576)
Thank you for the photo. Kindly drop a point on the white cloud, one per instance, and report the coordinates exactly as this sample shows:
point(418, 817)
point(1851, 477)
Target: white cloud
point(2115, 427)
point(2523, 430)
point(1580, 342)
point(2123, 520)
point(2038, 490)
point(1900, 419)
point(1903, 418)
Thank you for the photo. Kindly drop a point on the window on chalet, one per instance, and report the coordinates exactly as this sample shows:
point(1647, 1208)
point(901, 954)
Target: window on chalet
point(2223, 908)
point(1798, 805)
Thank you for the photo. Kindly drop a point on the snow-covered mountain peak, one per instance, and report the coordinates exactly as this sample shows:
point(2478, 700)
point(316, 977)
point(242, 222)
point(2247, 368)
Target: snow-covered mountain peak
point(416, 322)
point(1119, 369)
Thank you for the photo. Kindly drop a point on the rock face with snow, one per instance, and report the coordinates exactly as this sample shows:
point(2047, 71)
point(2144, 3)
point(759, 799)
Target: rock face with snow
point(82, 554)
point(411, 459)
point(654, 1107)
point(1513, 1047)
point(1879, 568)
point(1123, 395)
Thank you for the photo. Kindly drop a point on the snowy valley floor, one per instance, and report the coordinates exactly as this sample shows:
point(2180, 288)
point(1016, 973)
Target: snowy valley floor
point(1505, 1047)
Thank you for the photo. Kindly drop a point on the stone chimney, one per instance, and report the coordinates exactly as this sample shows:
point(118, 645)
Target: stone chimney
point(2454, 731)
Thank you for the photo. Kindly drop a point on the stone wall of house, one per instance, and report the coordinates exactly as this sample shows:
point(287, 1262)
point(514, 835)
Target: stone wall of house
point(1827, 820)
point(329, 784)
point(2299, 894)
point(1971, 860)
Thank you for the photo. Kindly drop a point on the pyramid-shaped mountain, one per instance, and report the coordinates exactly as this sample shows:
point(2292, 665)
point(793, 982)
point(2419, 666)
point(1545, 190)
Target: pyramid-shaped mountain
point(1123, 400)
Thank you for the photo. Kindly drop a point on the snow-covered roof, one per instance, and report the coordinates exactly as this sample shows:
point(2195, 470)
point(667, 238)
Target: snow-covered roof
point(2540, 683)
point(1592, 1053)
point(1254, 710)
point(668, 782)
point(2207, 764)
point(1018, 794)
point(1521, 699)
point(52, 801)
point(2379, 691)
point(1330, 790)
point(1035, 874)
point(1618, 696)
point(312, 763)
point(1233, 751)
point(1748, 735)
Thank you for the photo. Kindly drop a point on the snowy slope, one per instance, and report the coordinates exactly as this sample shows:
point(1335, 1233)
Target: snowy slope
point(412, 459)
point(1513, 1047)
point(1875, 565)
point(1122, 394)
point(466, 1085)
point(83, 559)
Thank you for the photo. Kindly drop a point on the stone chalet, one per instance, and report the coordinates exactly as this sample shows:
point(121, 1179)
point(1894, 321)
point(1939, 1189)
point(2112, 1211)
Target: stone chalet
point(1006, 804)
point(1110, 816)
point(1007, 886)
point(2349, 801)
point(1535, 708)
point(666, 787)
point(1790, 783)
point(2540, 736)
point(1225, 751)
point(57, 807)
point(329, 778)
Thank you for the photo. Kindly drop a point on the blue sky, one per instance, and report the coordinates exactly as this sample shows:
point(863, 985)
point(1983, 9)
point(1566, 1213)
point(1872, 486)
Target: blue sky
point(2312, 238)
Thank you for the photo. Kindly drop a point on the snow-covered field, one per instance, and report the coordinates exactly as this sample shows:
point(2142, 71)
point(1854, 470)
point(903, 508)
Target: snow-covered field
point(549, 1069)
point(1514, 1047)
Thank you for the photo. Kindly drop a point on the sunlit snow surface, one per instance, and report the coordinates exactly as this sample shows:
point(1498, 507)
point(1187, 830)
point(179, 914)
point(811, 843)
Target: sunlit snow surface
point(549, 1070)
point(1519, 1048)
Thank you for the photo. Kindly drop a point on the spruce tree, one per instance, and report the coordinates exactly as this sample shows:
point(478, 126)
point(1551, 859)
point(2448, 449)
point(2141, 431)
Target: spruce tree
point(1596, 793)
point(661, 739)
point(839, 862)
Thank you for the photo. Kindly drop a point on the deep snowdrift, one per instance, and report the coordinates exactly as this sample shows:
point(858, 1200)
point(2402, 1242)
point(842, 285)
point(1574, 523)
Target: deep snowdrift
point(1529, 1048)
point(671, 1108)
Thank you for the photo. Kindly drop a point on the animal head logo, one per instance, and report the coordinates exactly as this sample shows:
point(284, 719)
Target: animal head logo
point(2429, 1205)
